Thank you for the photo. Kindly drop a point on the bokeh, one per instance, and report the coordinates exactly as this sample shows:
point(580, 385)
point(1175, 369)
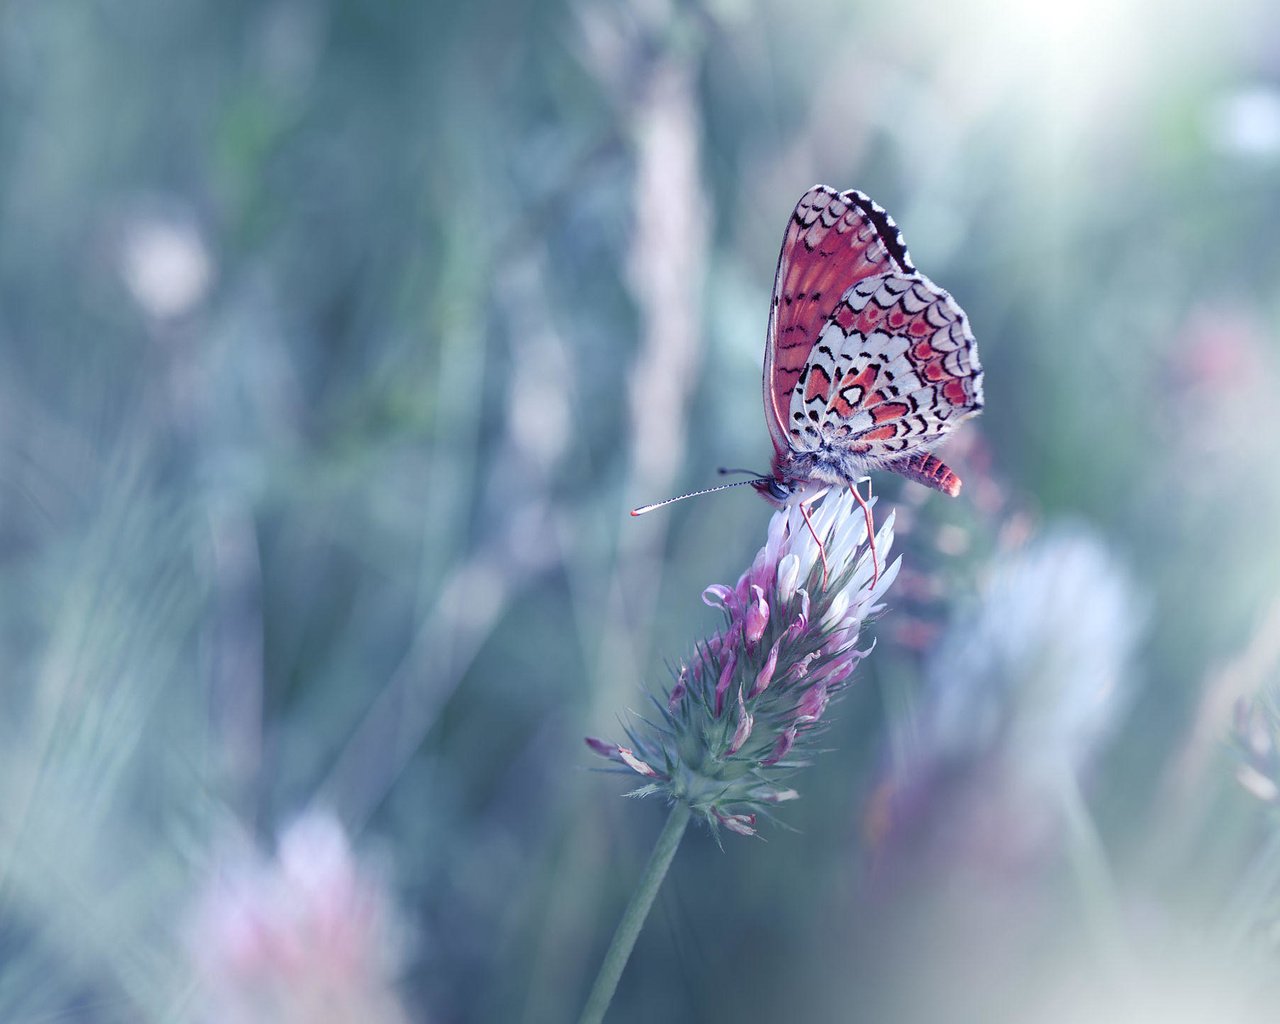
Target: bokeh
point(337, 338)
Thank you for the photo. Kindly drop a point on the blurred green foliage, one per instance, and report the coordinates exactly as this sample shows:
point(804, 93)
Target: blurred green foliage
point(336, 340)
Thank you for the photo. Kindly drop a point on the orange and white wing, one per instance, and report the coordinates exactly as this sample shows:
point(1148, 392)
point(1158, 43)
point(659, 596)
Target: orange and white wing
point(893, 370)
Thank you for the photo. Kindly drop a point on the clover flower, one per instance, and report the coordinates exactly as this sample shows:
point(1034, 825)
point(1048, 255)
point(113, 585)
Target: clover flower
point(1021, 693)
point(736, 721)
point(1039, 667)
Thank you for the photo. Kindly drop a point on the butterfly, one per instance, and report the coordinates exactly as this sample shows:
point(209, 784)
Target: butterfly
point(868, 364)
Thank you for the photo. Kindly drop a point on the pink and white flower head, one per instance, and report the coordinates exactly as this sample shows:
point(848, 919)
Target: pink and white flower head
point(307, 936)
point(737, 720)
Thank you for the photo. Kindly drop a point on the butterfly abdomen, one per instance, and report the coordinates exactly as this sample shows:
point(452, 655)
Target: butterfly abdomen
point(930, 471)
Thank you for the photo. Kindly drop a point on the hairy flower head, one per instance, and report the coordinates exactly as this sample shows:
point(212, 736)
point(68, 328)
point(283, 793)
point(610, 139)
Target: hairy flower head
point(736, 720)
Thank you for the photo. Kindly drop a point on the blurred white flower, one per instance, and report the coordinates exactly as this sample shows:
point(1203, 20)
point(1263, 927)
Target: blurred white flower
point(306, 937)
point(1038, 667)
point(1020, 693)
point(165, 265)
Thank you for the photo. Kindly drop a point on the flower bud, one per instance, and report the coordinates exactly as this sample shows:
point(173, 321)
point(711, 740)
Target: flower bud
point(745, 722)
point(757, 616)
point(743, 824)
point(679, 690)
point(635, 764)
point(835, 613)
point(812, 704)
point(783, 747)
point(788, 577)
point(801, 623)
point(765, 676)
point(609, 750)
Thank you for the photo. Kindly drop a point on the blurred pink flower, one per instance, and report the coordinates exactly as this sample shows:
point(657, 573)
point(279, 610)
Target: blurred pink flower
point(306, 937)
point(730, 727)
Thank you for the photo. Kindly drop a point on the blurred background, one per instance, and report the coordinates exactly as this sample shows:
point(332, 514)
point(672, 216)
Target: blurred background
point(336, 340)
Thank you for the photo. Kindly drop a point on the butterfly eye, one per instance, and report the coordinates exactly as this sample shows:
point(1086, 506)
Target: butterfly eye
point(776, 489)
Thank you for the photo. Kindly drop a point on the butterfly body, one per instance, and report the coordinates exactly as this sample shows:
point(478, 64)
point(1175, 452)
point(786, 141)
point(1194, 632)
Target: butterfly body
point(868, 364)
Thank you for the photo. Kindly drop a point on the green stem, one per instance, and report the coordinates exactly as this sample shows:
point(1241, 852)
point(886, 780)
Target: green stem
point(624, 939)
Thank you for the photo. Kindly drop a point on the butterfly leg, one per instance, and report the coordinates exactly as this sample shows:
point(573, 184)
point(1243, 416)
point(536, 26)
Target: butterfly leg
point(822, 550)
point(871, 535)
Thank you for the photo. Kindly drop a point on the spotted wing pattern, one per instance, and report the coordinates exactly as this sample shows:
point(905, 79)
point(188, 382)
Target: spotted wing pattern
point(833, 240)
point(895, 367)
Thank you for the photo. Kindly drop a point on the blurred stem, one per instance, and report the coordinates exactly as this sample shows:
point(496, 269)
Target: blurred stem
point(633, 918)
point(1088, 860)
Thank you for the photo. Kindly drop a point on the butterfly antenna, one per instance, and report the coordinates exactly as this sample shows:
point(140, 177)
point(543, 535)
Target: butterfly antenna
point(692, 494)
point(750, 472)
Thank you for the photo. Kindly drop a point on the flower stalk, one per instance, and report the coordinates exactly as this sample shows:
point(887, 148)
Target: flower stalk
point(737, 719)
point(633, 918)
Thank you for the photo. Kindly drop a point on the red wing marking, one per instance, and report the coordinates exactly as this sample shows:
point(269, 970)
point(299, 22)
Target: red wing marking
point(955, 392)
point(818, 386)
point(863, 379)
point(885, 411)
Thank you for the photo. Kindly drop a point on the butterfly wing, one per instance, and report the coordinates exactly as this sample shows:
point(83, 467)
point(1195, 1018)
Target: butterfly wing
point(833, 240)
point(895, 367)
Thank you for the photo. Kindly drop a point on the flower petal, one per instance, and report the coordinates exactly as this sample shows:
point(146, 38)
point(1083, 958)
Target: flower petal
point(788, 577)
point(726, 677)
point(635, 764)
point(812, 704)
point(783, 747)
point(745, 722)
point(743, 824)
point(836, 609)
point(757, 616)
point(679, 690)
point(765, 676)
point(718, 596)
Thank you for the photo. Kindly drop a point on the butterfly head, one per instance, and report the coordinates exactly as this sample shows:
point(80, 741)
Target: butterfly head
point(787, 482)
point(775, 490)
point(797, 477)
